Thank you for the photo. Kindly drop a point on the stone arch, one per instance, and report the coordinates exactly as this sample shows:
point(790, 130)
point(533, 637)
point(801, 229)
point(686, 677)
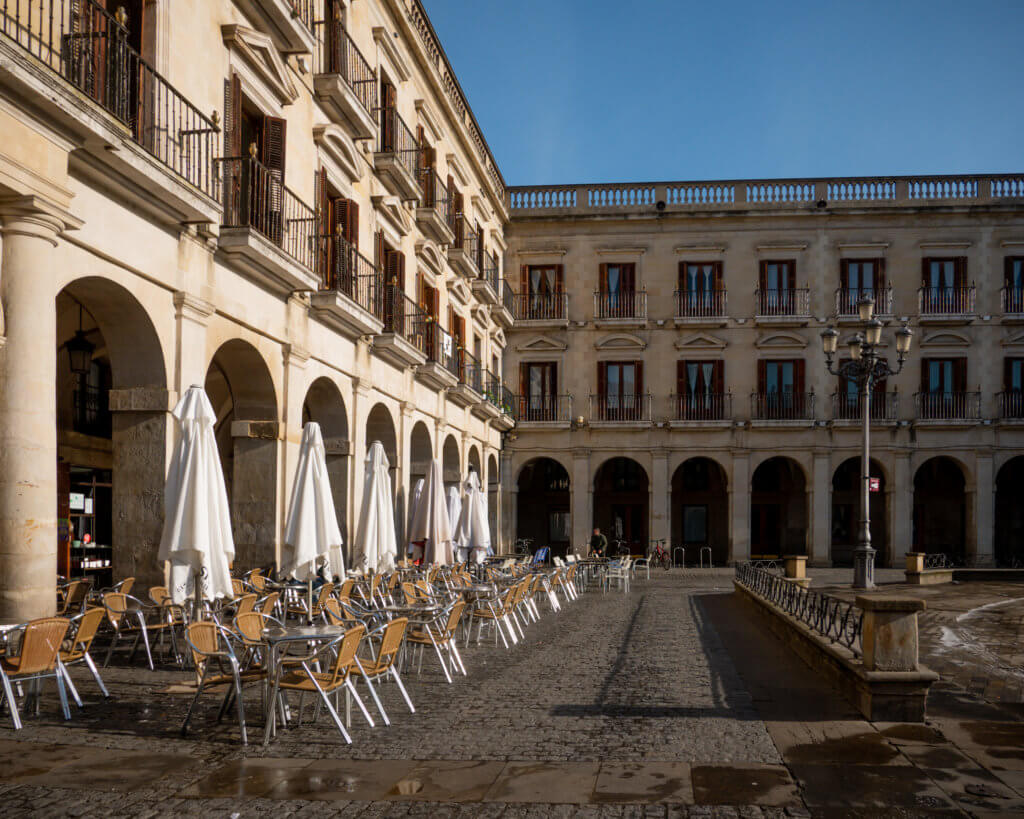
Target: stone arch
point(112, 427)
point(621, 503)
point(420, 452)
point(380, 426)
point(1008, 537)
point(474, 463)
point(940, 508)
point(700, 509)
point(778, 508)
point(241, 390)
point(846, 488)
point(543, 504)
point(493, 489)
point(451, 462)
point(325, 405)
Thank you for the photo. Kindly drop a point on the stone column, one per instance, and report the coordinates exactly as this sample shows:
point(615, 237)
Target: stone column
point(28, 409)
point(360, 409)
point(819, 497)
point(901, 509)
point(254, 493)
point(983, 553)
point(509, 493)
point(660, 500)
point(581, 500)
point(739, 509)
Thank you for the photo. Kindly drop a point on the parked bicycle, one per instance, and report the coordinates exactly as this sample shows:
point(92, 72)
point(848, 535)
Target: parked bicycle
point(658, 556)
point(523, 546)
point(621, 548)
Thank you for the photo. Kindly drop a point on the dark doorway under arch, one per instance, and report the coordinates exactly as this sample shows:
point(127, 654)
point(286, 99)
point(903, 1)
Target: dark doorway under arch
point(621, 500)
point(700, 509)
point(940, 509)
point(778, 509)
point(542, 505)
point(1009, 523)
point(846, 513)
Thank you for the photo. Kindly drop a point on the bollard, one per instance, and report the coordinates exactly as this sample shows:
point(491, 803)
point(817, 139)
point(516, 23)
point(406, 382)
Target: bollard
point(796, 566)
point(889, 637)
point(915, 562)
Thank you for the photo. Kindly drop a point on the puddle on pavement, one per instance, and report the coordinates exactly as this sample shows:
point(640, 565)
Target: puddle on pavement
point(912, 733)
point(999, 734)
point(727, 785)
point(859, 749)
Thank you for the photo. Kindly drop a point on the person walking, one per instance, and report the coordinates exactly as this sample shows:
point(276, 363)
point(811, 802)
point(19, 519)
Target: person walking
point(598, 543)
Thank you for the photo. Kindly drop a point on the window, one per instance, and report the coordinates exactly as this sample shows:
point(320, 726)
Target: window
point(1013, 299)
point(338, 236)
point(617, 292)
point(392, 263)
point(943, 388)
point(700, 289)
point(861, 278)
point(699, 390)
point(777, 283)
point(943, 285)
point(848, 397)
point(620, 390)
point(1013, 388)
point(780, 387)
point(541, 288)
point(539, 385)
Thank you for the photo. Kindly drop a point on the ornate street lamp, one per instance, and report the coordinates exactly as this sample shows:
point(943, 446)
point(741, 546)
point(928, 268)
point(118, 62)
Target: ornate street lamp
point(865, 368)
point(79, 349)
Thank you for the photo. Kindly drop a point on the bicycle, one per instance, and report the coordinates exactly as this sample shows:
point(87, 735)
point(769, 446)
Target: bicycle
point(522, 546)
point(621, 549)
point(658, 556)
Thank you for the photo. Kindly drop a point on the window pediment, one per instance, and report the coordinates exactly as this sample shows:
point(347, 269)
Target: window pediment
point(393, 214)
point(459, 291)
point(620, 341)
point(700, 341)
point(259, 54)
point(1013, 340)
point(430, 256)
point(542, 344)
point(498, 337)
point(945, 338)
point(781, 340)
point(334, 143)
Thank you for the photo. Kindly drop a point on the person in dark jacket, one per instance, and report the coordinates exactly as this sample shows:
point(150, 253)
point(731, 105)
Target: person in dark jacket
point(598, 543)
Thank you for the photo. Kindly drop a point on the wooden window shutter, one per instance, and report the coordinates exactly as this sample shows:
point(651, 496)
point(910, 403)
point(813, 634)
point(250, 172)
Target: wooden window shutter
point(553, 378)
point(639, 386)
point(274, 136)
point(323, 204)
point(339, 216)
point(926, 264)
point(381, 255)
point(524, 280)
point(960, 271)
point(844, 274)
point(718, 378)
point(681, 380)
point(627, 273)
point(401, 269)
point(762, 376)
point(879, 275)
point(798, 376)
point(352, 223)
point(602, 278)
point(1007, 374)
point(716, 275)
point(602, 378)
point(559, 278)
point(1008, 271)
point(681, 275)
point(763, 276)
point(959, 375)
point(524, 379)
point(233, 116)
point(391, 267)
point(925, 367)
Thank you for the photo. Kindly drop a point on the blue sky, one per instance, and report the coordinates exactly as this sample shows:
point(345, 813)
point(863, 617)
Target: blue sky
point(634, 90)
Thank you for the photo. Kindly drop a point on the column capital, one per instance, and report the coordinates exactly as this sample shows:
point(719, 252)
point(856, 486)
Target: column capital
point(192, 307)
point(295, 356)
point(360, 386)
point(36, 217)
point(406, 408)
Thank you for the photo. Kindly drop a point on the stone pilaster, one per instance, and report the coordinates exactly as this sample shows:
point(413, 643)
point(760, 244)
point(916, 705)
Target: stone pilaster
point(739, 509)
point(983, 553)
point(819, 497)
point(661, 498)
point(581, 499)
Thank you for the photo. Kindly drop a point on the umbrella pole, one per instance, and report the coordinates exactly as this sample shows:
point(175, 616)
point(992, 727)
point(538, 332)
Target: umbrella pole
point(197, 613)
point(309, 600)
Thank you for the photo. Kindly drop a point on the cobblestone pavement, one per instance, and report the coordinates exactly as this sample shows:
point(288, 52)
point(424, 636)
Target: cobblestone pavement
point(668, 701)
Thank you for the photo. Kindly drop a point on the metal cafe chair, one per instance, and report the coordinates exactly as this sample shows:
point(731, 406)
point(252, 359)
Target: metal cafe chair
point(37, 659)
point(81, 633)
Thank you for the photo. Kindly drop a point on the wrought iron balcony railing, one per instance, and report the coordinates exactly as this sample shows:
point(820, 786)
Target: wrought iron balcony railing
point(489, 270)
point(847, 407)
point(1012, 299)
point(624, 304)
point(435, 194)
point(86, 45)
point(545, 307)
point(948, 406)
point(1011, 403)
point(945, 301)
point(404, 318)
point(782, 406)
point(344, 269)
point(339, 55)
point(700, 303)
point(543, 409)
point(465, 236)
point(471, 371)
point(790, 302)
point(304, 10)
point(627, 407)
point(497, 394)
point(847, 298)
point(397, 138)
point(440, 346)
point(254, 196)
point(508, 297)
point(701, 406)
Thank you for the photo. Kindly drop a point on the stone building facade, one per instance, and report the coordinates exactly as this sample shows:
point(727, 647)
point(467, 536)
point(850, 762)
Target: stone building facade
point(671, 383)
point(287, 201)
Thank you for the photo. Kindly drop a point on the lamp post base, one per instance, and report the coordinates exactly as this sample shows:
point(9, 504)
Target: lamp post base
point(864, 567)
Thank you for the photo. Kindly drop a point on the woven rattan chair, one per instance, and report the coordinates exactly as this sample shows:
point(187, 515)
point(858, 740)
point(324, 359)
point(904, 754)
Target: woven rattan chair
point(75, 595)
point(37, 659)
point(269, 604)
point(80, 636)
point(441, 635)
point(129, 616)
point(382, 664)
point(216, 664)
point(494, 611)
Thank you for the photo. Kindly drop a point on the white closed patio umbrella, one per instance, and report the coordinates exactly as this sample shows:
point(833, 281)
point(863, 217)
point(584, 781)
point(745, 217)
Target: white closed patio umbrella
point(431, 523)
point(311, 532)
point(376, 545)
point(414, 501)
point(454, 513)
point(474, 532)
point(196, 538)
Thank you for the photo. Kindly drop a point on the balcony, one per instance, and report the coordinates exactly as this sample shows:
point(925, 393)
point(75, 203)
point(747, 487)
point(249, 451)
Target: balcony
point(345, 83)
point(441, 370)
point(469, 391)
point(701, 308)
point(351, 296)
point(123, 113)
point(627, 410)
point(543, 310)
point(946, 305)
point(434, 213)
point(503, 313)
point(947, 407)
point(501, 397)
point(701, 409)
point(626, 308)
point(1011, 406)
point(267, 230)
point(782, 408)
point(398, 155)
point(847, 298)
point(289, 23)
point(847, 407)
point(553, 411)
point(491, 407)
point(403, 340)
point(486, 286)
point(1012, 301)
point(783, 308)
point(464, 251)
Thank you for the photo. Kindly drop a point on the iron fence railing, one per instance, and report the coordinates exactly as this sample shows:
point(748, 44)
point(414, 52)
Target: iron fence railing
point(1012, 299)
point(782, 406)
point(489, 270)
point(701, 406)
point(404, 318)
point(543, 408)
point(344, 269)
point(948, 406)
point(254, 196)
point(435, 194)
point(305, 11)
point(508, 297)
point(938, 560)
point(700, 303)
point(623, 304)
point(848, 297)
point(87, 46)
point(945, 300)
point(790, 302)
point(634, 407)
point(497, 394)
point(397, 138)
point(834, 619)
point(546, 307)
point(466, 237)
point(471, 371)
point(440, 346)
point(1011, 403)
point(847, 406)
point(91, 411)
point(340, 55)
